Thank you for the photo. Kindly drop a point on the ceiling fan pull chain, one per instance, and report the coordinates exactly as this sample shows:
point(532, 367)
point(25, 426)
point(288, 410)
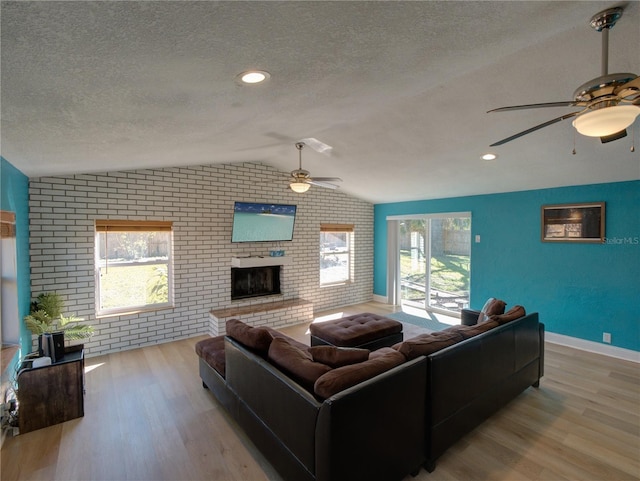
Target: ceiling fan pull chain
point(633, 139)
point(574, 142)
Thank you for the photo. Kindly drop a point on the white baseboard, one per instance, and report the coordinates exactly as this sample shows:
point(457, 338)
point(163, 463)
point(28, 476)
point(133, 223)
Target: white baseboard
point(382, 299)
point(590, 346)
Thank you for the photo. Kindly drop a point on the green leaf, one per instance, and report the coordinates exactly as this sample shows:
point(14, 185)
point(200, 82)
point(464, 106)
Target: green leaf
point(35, 326)
point(64, 320)
point(51, 303)
point(79, 331)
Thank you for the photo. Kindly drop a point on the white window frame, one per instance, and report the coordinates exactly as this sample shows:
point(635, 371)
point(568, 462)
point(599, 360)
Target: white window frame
point(127, 226)
point(347, 229)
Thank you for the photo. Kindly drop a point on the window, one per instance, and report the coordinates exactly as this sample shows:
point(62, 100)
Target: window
point(335, 253)
point(9, 320)
point(133, 266)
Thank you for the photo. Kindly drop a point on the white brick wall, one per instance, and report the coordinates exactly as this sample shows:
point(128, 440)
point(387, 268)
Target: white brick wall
point(199, 201)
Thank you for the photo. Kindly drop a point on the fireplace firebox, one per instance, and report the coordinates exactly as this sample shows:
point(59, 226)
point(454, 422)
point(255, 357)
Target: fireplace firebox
point(254, 282)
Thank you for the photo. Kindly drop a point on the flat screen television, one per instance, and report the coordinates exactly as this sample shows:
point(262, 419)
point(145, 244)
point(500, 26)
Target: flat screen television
point(257, 222)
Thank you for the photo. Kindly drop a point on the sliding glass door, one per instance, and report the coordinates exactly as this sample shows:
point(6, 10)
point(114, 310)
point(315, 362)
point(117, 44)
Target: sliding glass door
point(434, 261)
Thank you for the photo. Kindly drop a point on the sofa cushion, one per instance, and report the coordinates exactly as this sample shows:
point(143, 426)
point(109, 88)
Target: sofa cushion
point(516, 312)
point(344, 377)
point(491, 307)
point(257, 338)
point(383, 351)
point(426, 344)
point(338, 356)
point(300, 345)
point(296, 363)
point(468, 332)
point(212, 351)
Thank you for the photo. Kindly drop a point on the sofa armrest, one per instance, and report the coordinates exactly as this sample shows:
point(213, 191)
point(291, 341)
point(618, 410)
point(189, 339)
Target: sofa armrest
point(469, 317)
point(374, 430)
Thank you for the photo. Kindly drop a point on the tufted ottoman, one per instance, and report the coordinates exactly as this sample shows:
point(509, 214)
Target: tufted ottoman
point(366, 331)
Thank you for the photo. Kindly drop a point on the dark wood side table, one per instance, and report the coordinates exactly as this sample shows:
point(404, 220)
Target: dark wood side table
point(52, 394)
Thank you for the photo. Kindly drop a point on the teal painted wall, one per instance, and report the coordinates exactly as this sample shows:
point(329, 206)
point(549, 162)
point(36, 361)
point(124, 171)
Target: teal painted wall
point(14, 197)
point(580, 290)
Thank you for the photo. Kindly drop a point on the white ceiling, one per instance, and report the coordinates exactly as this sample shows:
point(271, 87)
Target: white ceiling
point(399, 89)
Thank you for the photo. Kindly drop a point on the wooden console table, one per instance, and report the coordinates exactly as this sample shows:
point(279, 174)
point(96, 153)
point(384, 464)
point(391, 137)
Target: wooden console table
point(52, 394)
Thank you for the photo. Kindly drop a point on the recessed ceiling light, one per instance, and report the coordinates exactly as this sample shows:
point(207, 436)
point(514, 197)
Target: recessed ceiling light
point(253, 76)
point(489, 157)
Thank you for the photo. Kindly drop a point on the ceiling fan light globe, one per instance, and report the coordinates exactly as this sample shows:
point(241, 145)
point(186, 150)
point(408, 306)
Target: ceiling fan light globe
point(606, 121)
point(299, 187)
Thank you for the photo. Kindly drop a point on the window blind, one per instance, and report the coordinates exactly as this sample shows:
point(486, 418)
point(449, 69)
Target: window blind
point(336, 227)
point(133, 225)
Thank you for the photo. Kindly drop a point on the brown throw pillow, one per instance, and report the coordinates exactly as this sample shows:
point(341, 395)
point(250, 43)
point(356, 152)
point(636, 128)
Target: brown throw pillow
point(338, 356)
point(516, 312)
point(296, 363)
point(470, 331)
point(383, 351)
point(344, 377)
point(426, 344)
point(257, 338)
point(490, 308)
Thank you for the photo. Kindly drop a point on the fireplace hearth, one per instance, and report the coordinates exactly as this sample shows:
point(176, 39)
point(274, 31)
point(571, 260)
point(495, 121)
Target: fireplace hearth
point(254, 282)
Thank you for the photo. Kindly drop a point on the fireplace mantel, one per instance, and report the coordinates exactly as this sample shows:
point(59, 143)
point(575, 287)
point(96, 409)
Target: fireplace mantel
point(260, 261)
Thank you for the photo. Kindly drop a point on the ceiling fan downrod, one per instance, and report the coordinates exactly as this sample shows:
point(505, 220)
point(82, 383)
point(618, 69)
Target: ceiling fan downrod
point(603, 22)
point(299, 146)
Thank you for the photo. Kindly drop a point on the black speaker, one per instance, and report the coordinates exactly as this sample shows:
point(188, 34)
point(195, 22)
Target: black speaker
point(58, 346)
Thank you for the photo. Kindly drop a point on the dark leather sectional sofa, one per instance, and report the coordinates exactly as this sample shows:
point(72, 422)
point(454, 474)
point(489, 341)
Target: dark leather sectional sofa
point(373, 430)
point(391, 423)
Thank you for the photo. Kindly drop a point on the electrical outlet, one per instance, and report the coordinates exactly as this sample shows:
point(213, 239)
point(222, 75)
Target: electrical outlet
point(606, 337)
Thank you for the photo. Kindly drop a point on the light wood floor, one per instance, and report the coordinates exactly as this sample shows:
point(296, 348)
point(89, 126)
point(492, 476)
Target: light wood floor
point(147, 417)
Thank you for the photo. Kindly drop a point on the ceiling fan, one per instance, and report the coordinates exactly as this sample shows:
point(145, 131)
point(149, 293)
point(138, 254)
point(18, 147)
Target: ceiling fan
point(611, 102)
point(301, 179)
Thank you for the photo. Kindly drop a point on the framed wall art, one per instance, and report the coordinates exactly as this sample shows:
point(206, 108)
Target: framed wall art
point(581, 222)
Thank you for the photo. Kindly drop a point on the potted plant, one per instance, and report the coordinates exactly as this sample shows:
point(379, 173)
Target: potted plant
point(46, 317)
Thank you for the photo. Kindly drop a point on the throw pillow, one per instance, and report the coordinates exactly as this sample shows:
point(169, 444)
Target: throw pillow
point(338, 356)
point(491, 307)
point(257, 338)
point(426, 344)
point(345, 377)
point(383, 351)
point(516, 312)
point(296, 363)
point(470, 331)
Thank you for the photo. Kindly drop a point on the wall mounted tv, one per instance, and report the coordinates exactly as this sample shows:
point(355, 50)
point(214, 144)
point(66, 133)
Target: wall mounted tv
point(256, 222)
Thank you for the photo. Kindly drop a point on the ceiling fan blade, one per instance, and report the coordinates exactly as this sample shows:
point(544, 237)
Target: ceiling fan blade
point(629, 89)
point(317, 145)
point(569, 103)
point(321, 184)
point(327, 179)
point(537, 127)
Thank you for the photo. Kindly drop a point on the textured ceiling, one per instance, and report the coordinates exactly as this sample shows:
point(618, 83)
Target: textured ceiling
point(399, 89)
